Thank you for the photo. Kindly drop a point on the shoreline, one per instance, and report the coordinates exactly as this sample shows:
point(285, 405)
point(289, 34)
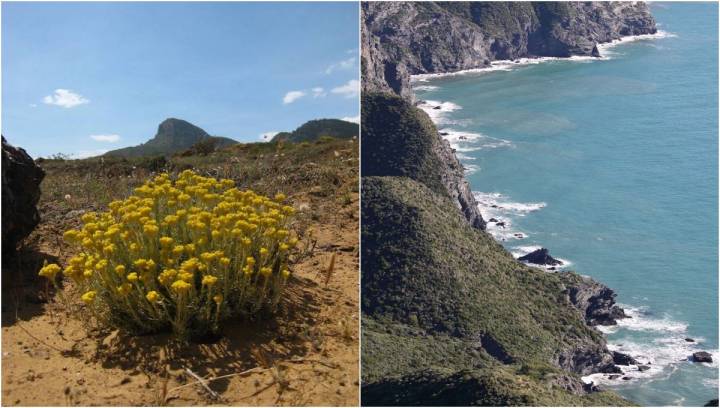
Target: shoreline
point(654, 355)
point(507, 65)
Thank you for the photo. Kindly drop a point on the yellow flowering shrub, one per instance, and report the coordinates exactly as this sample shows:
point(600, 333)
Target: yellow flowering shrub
point(181, 255)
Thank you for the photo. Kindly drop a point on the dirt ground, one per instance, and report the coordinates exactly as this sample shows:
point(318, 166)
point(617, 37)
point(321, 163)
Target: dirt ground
point(307, 354)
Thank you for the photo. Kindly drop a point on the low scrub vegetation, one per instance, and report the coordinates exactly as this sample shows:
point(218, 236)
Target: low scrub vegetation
point(181, 255)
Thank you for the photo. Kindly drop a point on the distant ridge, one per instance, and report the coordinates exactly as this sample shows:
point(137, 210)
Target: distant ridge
point(173, 135)
point(314, 129)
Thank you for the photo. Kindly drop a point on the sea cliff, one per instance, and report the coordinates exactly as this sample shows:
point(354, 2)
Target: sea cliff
point(400, 39)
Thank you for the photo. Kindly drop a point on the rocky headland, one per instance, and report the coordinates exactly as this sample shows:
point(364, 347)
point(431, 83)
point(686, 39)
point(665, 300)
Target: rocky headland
point(400, 39)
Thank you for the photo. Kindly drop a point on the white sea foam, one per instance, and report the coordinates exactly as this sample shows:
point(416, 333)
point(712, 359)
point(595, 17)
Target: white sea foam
point(425, 88)
point(438, 111)
point(641, 320)
point(711, 383)
point(663, 354)
point(463, 157)
point(501, 208)
point(465, 142)
point(605, 47)
point(471, 168)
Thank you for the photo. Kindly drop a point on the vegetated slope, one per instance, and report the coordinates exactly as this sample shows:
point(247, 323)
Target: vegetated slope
point(173, 135)
point(449, 316)
point(407, 145)
point(315, 129)
point(400, 39)
point(304, 355)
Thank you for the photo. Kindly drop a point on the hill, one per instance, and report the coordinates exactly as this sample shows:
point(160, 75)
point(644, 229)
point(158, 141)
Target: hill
point(315, 129)
point(449, 316)
point(173, 135)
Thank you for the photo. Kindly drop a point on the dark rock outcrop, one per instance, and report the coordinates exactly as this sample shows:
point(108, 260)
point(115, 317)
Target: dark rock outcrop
point(623, 359)
point(712, 403)
point(21, 179)
point(595, 300)
point(540, 257)
point(702, 357)
point(400, 39)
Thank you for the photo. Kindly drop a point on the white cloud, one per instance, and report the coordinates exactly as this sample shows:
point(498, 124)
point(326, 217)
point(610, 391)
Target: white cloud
point(84, 154)
point(353, 119)
point(349, 90)
point(65, 98)
point(344, 64)
point(105, 138)
point(267, 136)
point(318, 92)
point(292, 96)
point(33, 105)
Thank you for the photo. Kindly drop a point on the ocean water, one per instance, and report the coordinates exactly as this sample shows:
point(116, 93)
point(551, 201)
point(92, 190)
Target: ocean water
point(612, 164)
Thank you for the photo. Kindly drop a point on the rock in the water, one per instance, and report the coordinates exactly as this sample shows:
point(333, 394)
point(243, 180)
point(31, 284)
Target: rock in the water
point(689, 340)
point(702, 357)
point(21, 179)
point(540, 257)
point(712, 403)
point(596, 300)
point(642, 368)
point(623, 359)
point(613, 376)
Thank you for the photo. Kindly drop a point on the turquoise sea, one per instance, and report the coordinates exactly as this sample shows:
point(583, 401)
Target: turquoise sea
point(612, 164)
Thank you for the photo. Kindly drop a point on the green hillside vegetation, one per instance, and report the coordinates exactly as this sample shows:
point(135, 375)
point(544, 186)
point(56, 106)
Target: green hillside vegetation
point(449, 316)
point(315, 129)
point(173, 136)
point(401, 142)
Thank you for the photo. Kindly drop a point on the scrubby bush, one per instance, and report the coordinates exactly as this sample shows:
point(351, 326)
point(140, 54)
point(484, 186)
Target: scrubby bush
point(181, 256)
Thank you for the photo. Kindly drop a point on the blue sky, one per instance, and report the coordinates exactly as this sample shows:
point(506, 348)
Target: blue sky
point(81, 78)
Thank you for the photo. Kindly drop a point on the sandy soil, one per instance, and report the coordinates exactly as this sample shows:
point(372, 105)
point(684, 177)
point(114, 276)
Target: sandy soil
point(306, 355)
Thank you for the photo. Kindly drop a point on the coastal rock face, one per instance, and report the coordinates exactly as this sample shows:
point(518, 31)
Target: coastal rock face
point(594, 300)
point(21, 179)
point(400, 39)
point(623, 359)
point(401, 140)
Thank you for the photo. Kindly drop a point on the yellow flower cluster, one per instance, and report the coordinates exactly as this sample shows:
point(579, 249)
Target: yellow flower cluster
point(181, 254)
